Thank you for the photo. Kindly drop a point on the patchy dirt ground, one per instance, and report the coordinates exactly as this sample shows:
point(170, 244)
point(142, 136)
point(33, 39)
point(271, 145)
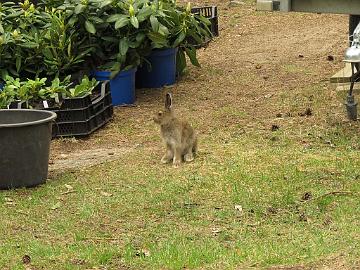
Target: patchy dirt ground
point(259, 74)
point(260, 60)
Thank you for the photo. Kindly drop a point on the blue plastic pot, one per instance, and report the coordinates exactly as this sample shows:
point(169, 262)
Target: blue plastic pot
point(122, 86)
point(162, 71)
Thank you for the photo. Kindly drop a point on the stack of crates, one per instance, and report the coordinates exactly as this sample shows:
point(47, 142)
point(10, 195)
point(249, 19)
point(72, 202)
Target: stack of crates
point(82, 116)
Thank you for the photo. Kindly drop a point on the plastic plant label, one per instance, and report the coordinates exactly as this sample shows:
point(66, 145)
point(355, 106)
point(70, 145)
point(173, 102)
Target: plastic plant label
point(45, 103)
point(57, 100)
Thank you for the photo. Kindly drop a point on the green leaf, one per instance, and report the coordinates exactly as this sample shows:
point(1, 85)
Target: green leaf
point(18, 63)
point(123, 46)
point(110, 39)
point(121, 22)
point(83, 53)
point(90, 27)
point(203, 19)
point(96, 19)
point(144, 13)
point(120, 58)
point(191, 52)
point(29, 44)
point(180, 62)
point(163, 30)
point(179, 39)
point(133, 44)
point(140, 37)
point(47, 53)
point(195, 36)
point(4, 73)
point(84, 88)
point(115, 17)
point(159, 41)
point(161, 13)
point(134, 21)
point(42, 93)
point(1, 29)
point(154, 23)
point(73, 20)
point(15, 14)
point(69, 49)
point(105, 3)
point(79, 8)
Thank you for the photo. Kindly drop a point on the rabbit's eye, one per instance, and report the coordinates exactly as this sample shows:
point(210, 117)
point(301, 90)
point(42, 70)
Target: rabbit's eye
point(160, 113)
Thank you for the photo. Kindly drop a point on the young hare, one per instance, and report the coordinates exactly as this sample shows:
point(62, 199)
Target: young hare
point(178, 136)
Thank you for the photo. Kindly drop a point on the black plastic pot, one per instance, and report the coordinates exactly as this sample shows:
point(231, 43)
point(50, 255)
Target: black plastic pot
point(25, 137)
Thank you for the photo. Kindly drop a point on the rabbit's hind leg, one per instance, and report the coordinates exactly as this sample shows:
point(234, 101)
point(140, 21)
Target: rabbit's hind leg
point(169, 155)
point(191, 151)
point(189, 154)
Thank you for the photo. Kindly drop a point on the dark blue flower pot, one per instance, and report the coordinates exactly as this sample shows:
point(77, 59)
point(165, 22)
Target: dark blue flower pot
point(122, 86)
point(161, 72)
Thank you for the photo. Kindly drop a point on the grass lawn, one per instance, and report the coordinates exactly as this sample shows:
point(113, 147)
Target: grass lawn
point(271, 186)
point(240, 204)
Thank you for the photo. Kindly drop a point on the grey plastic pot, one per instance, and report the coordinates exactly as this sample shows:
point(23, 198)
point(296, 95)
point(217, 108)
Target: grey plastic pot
point(25, 137)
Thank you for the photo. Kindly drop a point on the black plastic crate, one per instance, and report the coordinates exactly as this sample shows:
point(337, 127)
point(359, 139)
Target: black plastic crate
point(73, 128)
point(77, 102)
point(83, 128)
point(211, 13)
point(17, 105)
point(104, 116)
point(82, 114)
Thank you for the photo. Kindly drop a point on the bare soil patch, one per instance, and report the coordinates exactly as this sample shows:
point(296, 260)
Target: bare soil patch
point(85, 158)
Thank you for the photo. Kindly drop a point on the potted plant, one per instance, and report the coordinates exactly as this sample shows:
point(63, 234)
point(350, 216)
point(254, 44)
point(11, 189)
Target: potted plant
point(150, 33)
point(114, 46)
point(170, 29)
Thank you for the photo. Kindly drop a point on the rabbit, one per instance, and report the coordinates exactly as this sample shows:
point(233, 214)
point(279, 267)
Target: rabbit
point(178, 135)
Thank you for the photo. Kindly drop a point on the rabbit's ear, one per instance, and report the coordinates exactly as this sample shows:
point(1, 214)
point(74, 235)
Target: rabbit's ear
point(168, 101)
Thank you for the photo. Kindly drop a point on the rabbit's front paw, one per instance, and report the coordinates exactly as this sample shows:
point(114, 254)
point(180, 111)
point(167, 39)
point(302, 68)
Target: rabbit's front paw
point(176, 163)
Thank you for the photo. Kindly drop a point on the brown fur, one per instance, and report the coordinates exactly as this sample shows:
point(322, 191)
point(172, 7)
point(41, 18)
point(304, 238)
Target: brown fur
point(178, 135)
